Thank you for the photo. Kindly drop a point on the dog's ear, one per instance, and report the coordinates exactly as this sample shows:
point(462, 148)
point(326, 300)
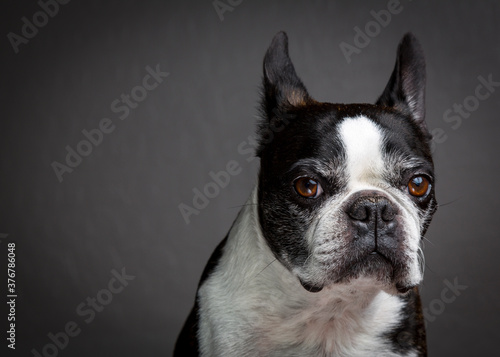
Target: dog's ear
point(405, 90)
point(281, 85)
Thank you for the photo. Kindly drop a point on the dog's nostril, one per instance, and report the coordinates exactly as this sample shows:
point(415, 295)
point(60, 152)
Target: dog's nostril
point(367, 209)
point(359, 212)
point(387, 212)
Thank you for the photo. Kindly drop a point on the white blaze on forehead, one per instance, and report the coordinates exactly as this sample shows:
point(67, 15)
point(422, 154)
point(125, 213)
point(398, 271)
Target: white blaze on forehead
point(362, 140)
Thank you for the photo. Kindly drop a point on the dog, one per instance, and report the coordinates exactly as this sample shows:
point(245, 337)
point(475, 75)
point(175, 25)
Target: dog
point(325, 257)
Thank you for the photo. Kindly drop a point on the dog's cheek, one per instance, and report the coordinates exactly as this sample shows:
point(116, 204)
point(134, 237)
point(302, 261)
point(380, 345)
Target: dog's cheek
point(327, 240)
point(426, 215)
point(413, 274)
point(284, 225)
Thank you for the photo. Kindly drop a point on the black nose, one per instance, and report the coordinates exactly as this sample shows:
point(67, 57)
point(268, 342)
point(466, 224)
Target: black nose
point(372, 210)
point(373, 224)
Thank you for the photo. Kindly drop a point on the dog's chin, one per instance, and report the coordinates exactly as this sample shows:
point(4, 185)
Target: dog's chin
point(374, 271)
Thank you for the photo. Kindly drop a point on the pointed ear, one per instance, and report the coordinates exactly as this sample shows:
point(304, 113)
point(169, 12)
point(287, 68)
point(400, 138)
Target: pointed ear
point(282, 86)
point(406, 88)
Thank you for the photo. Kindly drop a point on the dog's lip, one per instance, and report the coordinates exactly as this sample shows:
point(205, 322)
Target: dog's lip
point(375, 252)
point(377, 255)
point(403, 289)
point(310, 288)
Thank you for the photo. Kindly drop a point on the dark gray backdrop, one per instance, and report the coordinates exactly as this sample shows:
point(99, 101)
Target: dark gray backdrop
point(119, 207)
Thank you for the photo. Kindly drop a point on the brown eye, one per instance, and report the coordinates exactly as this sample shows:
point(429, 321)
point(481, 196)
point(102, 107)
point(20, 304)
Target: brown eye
point(418, 186)
point(307, 187)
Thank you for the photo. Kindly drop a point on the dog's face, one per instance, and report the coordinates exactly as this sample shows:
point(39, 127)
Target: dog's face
point(346, 191)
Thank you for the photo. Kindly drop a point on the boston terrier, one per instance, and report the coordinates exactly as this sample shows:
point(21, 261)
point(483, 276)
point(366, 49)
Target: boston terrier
point(325, 259)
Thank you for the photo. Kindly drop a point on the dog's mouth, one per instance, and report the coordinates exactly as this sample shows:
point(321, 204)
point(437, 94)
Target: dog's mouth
point(383, 270)
point(374, 264)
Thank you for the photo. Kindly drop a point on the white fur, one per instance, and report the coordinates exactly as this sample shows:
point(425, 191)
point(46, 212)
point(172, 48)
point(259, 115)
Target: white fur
point(251, 305)
point(363, 141)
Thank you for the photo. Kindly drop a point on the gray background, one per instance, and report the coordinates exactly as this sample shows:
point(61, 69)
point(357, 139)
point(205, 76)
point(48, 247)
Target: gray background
point(119, 208)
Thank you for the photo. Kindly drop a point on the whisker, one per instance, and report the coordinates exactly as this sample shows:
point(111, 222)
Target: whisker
point(428, 241)
point(310, 255)
point(448, 203)
point(429, 268)
point(421, 258)
point(265, 267)
point(243, 205)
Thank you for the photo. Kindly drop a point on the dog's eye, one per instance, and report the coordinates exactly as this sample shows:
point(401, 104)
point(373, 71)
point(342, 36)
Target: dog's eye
point(307, 187)
point(418, 186)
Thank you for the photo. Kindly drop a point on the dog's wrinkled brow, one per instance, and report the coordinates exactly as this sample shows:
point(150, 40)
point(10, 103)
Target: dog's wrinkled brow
point(399, 165)
point(325, 169)
point(404, 162)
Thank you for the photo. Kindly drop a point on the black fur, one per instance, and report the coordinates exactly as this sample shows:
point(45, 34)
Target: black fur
point(407, 82)
point(410, 333)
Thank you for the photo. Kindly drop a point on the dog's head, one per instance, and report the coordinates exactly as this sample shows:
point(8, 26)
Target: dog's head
point(346, 191)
